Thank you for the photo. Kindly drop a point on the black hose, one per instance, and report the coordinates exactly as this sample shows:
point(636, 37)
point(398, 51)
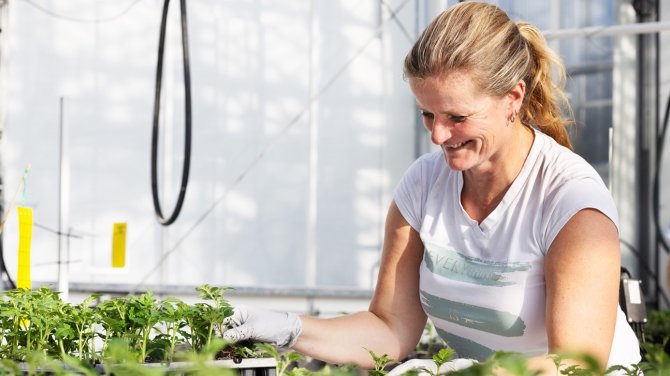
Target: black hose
point(187, 111)
point(645, 269)
point(660, 143)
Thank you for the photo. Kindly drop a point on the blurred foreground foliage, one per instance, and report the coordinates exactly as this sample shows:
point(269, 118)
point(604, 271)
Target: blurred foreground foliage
point(143, 335)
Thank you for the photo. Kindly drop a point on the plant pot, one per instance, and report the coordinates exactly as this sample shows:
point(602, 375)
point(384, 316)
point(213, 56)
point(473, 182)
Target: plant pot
point(242, 367)
point(245, 367)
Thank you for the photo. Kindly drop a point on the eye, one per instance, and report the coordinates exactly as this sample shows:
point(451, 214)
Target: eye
point(457, 118)
point(426, 114)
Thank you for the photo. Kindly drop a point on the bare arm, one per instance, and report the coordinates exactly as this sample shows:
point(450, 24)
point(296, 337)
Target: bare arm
point(582, 271)
point(395, 320)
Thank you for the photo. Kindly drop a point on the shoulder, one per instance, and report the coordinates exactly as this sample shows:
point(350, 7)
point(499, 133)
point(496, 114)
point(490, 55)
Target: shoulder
point(427, 167)
point(562, 164)
point(427, 174)
point(568, 184)
point(430, 161)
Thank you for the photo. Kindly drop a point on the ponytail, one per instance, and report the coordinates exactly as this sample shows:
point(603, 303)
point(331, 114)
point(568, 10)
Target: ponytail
point(545, 97)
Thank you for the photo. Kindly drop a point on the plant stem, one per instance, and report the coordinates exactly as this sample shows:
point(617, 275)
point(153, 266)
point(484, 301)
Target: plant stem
point(209, 334)
point(80, 343)
point(28, 338)
point(62, 348)
point(173, 342)
point(145, 338)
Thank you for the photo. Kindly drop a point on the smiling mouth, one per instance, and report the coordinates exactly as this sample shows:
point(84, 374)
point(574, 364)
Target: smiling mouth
point(455, 146)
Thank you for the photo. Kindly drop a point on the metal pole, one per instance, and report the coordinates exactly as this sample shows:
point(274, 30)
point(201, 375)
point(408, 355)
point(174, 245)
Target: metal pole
point(609, 31)
point(62, 263)
point(312, 157)
point(646, 127)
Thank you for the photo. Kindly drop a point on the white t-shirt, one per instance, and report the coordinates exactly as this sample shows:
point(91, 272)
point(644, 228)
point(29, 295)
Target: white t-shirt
point(482, 285)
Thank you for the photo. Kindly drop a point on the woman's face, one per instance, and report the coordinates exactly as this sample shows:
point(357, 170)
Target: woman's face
point(470, 127)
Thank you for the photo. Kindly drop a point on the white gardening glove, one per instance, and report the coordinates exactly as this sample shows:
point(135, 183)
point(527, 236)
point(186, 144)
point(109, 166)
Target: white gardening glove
point(280, 329)
point(423, 367)
point(427, 367)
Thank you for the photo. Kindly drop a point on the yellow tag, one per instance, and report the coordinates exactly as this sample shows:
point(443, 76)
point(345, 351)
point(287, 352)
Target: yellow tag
point(119, 245)
point(25, 235)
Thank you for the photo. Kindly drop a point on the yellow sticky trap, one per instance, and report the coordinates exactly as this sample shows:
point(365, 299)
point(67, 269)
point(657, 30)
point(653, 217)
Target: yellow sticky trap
point(119, 245)
point(25, 236)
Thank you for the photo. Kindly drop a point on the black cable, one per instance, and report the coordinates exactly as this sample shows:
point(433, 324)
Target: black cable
point(656, 200)
point(660, 144)
point(645, 267)
point(187, 122)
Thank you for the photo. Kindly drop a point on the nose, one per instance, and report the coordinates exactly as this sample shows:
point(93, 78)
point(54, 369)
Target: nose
point(440, 131)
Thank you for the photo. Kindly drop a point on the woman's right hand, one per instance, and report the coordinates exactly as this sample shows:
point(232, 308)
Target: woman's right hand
point(280, 329)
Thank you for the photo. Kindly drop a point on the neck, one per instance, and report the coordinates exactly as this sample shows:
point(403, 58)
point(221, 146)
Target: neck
point(484, 188)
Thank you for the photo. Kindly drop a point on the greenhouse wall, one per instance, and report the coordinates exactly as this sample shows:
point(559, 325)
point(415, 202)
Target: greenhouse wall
point(302, 125)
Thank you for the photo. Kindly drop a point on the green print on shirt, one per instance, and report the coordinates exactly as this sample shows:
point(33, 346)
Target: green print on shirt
point(451, 264)
point(464, 347)
point(480, 318)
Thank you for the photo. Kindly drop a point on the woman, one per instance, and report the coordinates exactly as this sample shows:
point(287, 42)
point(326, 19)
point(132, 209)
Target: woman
point(504, 238)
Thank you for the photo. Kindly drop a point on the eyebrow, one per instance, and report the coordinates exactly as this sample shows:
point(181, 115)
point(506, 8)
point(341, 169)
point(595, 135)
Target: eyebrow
point(452, 114)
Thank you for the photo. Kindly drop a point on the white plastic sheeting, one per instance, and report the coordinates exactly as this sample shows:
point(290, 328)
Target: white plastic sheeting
point(263, 74)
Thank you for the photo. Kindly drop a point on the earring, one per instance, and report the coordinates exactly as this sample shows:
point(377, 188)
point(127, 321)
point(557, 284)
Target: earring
point(512, 118)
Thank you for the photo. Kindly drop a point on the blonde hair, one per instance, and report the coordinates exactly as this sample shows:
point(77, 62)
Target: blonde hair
point(481, 40)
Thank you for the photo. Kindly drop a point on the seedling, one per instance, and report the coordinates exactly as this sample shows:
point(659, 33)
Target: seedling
point(592, 365)
point(443, 356)
point(81, 320)
point(215, 314)
point(120, 359)
point(381, 362)
point(284, 360)
point(38, 328)
point(172, 317)
point(113, 315)
point(199, 363)
point(657, 359)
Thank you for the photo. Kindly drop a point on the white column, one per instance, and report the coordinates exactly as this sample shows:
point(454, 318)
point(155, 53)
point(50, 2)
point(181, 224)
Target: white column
point(313, 152)
point(624, 138)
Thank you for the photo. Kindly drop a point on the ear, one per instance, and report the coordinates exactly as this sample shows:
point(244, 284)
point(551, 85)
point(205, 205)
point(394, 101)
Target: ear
point(516, 96)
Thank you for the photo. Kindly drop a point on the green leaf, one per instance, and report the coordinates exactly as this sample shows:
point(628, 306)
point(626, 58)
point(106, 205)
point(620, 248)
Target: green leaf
point(381, 362)
point(442, 357)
